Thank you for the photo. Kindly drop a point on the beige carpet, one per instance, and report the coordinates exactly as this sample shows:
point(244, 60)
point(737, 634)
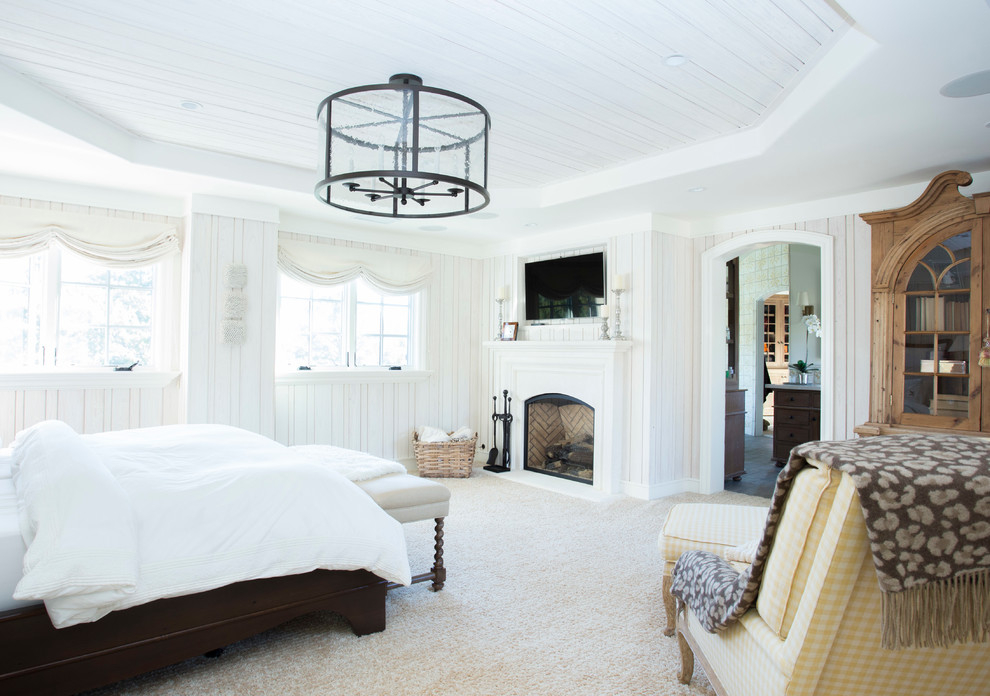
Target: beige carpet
point(546, 595)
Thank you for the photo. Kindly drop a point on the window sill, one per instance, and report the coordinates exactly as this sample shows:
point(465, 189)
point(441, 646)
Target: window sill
point(350, 376)
point(96, 378)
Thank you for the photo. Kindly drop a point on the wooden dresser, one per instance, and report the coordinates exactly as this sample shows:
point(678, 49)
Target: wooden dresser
point(735, 433)
point(796, 417)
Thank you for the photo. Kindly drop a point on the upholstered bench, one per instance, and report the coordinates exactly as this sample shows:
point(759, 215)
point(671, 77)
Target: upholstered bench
point(707, 527)
point(410, 498)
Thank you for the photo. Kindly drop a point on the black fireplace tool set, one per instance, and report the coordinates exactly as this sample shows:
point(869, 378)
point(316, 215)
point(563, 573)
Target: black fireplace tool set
point(506, 419)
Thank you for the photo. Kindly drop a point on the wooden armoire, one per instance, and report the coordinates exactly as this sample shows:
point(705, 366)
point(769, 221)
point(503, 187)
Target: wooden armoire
point(929, 312)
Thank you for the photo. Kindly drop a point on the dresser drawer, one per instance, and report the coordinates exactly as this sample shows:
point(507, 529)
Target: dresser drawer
point(793, 434)
point(787, 417)
point(804, 399)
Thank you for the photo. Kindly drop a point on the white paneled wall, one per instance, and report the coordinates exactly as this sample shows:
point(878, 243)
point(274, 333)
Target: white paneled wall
point(93, 409)
point(380, 414)
point(226, 383)
point(96, 402)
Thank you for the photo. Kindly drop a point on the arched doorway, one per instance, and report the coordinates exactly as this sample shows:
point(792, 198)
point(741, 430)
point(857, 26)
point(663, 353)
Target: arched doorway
point(711, 411)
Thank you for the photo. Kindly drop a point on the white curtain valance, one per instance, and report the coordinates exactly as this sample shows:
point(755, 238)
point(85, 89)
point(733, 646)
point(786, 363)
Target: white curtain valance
point(108, 240)
point(328, 264)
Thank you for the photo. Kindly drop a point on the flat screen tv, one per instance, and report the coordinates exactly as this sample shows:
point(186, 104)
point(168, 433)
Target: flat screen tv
point(565, 288)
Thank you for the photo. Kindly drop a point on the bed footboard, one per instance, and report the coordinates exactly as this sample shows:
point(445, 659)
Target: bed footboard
point(36, 658)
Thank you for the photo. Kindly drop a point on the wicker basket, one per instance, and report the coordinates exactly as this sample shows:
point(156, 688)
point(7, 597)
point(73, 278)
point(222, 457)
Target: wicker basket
point(452, 459)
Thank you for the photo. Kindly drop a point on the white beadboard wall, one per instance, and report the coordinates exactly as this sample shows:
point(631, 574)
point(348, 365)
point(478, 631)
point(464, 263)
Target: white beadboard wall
point(224, 383)
point(92, 405)
point(380, 415)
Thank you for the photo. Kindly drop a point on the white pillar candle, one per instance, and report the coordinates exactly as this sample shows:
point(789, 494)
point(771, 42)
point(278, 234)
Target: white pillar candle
point(603, 311)
point(620, 282)
point(502, 293)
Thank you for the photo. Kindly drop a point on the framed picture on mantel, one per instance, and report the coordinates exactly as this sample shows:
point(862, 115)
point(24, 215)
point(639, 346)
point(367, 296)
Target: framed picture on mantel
point(509, 330)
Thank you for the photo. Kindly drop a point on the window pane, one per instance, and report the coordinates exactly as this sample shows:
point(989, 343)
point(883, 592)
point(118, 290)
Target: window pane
point(368, 350)
point(395, 351)
point(130, 307)
point(293, 316)
point(327, 316)
point(82, 306)
point(369, 319)
point(21, 291)
point(327, 350)
point(129, 346)
point(395, 320)
point(84, 347)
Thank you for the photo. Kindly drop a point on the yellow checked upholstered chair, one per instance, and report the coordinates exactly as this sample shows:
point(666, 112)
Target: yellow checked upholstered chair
point(815, 627)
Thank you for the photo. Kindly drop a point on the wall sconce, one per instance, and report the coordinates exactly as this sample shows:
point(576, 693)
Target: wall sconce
point(807, 309)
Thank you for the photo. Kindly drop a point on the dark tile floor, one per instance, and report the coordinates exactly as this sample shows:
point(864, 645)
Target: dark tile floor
point(761, 470)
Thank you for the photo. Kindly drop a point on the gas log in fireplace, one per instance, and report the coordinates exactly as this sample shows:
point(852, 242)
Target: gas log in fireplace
point(560, 437)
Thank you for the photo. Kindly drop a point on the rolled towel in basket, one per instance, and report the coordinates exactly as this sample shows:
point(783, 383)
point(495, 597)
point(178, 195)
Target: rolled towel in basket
point(428, 433)
point(462, 433)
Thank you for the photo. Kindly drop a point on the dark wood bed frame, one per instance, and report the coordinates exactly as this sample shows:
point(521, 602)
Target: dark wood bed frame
point(36, 658)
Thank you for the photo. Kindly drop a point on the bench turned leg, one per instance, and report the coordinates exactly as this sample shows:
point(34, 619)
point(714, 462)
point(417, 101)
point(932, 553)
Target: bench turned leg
point(439, 572)
point(669, 606)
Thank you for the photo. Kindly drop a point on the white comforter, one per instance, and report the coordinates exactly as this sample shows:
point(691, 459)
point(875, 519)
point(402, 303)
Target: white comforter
point(118, 519)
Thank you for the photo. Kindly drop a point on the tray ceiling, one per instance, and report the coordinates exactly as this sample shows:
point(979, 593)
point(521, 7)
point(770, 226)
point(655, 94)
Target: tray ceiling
point(573, 87)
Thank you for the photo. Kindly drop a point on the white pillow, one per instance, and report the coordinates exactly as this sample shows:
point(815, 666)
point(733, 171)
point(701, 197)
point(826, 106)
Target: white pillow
point(6, 461)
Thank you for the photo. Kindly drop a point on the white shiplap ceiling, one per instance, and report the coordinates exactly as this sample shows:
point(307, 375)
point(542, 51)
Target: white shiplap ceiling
point(579, 91)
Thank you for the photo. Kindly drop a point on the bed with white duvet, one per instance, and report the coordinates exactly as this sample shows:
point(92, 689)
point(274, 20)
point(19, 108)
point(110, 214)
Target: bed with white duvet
point(103, 522)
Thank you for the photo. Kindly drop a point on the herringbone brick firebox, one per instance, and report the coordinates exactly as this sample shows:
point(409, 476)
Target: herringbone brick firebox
point(560, 437)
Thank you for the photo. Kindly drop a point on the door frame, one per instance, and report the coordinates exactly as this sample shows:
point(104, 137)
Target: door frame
point(711, 413)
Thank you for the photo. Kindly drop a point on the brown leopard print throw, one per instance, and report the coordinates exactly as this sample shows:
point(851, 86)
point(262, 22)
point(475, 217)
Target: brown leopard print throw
point(926, 502)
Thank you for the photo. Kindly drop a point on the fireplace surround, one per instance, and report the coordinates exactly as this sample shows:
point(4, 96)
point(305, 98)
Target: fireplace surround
point(591, 372)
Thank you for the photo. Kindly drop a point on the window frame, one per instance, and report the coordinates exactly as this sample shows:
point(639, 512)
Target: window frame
point(162, 319)
point(414, 335)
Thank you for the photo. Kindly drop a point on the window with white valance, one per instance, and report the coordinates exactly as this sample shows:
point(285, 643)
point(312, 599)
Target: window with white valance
point(348, 307)
point(81, 290)
point(329, 264)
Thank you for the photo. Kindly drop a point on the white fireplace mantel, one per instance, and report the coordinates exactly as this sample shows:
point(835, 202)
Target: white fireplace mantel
point(594, 372)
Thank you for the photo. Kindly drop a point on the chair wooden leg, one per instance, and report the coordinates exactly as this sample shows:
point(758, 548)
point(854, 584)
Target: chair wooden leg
point(687, 660)
point(669, 606)
point(439, 572)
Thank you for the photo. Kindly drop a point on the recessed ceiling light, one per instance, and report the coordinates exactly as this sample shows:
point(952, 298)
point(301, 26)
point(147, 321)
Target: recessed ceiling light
point(972, 85)
point(675, 60)
point(191, 105)
point(531, 224)
point(696, 189)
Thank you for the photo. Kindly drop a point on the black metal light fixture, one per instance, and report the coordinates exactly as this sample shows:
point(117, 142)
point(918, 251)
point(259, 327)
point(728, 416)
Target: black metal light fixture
point(403, 150)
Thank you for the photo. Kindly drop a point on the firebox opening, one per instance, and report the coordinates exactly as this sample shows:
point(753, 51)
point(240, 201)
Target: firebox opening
point(560, 437)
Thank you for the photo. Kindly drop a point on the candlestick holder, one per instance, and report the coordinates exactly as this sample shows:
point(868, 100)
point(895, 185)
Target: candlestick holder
point(603, 336)
point(617, 334)
point(498, 325)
